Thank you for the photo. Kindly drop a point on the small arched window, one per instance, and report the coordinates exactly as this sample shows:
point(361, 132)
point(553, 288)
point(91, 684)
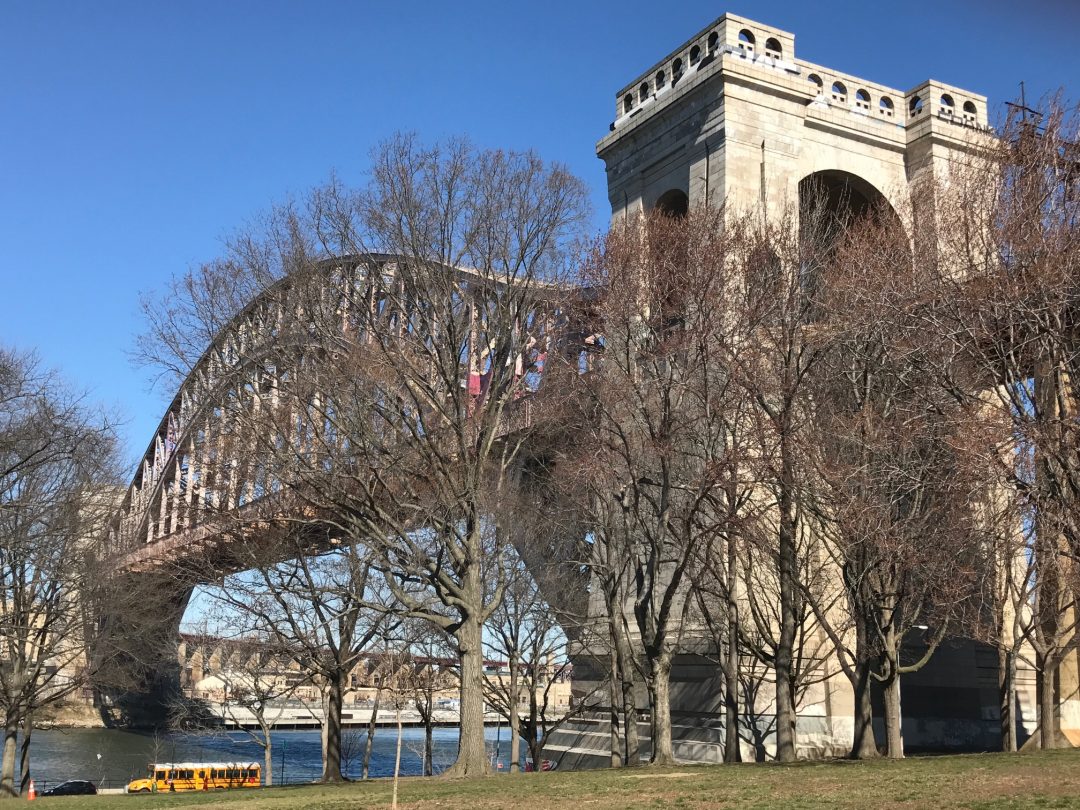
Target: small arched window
point(643, 92)
point(746, 41)
point(885, 106)
point(947, 104)
point(773, 49)
point(676, 71)
point(818, 85)
point(915, 105)
point(660, 79)
point(970, 112)
point(627, 103)
point(695, 55)
point(839, 93)
point(714, 40)
point(862, 100)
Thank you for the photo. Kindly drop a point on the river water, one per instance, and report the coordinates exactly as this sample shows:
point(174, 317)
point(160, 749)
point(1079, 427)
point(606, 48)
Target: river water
point(111, 758)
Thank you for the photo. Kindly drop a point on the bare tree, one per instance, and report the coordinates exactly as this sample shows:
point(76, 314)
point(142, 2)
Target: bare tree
point(352, 748)
point(432, 672)
point(257, 682)
point(781, 261)
point(393, 389)
point(324, 610)
point(608, 644)
point(900, 467)
point(1002, 616)
point(656, 465)
point(525, 634)
point(57, 480)
point(384, 672)
point(427, 375)
point(1006, 228)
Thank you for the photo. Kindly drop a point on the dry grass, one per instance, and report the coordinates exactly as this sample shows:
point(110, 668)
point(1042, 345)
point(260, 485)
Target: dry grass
point(1050, 779)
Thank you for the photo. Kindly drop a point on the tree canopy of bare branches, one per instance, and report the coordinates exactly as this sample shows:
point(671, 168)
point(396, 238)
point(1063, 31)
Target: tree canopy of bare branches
point(58, 477)
point(381, 412)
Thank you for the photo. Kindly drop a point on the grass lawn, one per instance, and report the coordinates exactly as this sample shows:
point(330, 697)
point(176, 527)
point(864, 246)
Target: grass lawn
point(1050, 779)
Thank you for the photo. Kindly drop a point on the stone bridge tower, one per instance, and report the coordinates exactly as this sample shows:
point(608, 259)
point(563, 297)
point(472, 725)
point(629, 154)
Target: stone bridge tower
point(733, 117)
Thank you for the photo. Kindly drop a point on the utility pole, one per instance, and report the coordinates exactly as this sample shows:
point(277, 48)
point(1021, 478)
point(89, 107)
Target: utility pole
point(282, 768)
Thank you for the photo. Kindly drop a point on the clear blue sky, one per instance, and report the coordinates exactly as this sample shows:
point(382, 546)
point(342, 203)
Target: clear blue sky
point(134, 135)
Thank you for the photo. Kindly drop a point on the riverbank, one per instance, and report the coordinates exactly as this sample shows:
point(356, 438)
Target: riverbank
point(301, 716)
point(112, 757)
point(978, 781)
point(68, 715)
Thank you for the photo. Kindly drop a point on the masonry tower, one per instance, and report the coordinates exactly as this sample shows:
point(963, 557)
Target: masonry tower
point(732, 115)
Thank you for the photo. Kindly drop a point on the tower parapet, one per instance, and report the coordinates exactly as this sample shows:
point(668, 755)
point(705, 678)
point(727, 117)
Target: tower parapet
point(745, 79)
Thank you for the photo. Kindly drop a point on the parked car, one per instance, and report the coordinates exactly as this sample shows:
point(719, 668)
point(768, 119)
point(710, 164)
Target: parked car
point(72, 787)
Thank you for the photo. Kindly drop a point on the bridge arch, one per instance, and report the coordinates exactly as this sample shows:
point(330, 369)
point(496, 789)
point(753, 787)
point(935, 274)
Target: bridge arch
point(175, 480)
point(832, 201)
point(673, 202)
point(195, 490)
point(846, 196)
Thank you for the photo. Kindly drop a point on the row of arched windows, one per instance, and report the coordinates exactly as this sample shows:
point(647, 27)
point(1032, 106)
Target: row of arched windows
point(838, 94)
point(946, 106)
point(747, 41)
point(697, 57)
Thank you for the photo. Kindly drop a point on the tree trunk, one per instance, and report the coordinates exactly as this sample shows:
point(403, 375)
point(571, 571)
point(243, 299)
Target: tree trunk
point(332, 730)
point(1048, 714)
point(785, 687)
point(732, 746)
point(268, 764)
point(662, 751)
point(863, 745)
point(7, 763)
point(632, 756)
point(268, 752)
point(785, 646)
point(429, 744)
point(629, 704)
point(472, 758)
point(536, 751)
point(24, 753)
point(397, 758)
point(370, 741)
point(894, 739)
point(1006, 692)
point(614, 697)
point(732, 743)
point(1014, 740)
point(515, 737)
point(513, 719)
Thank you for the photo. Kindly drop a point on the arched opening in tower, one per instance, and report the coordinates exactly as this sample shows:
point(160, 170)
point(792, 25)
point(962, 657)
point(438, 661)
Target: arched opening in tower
point(832, 202)
point(674, 203)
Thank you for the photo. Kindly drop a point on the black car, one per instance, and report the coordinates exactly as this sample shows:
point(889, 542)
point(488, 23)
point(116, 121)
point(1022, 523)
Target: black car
point(72, 787)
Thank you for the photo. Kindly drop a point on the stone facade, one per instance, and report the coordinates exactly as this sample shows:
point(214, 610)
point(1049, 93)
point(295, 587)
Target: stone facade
point(733, 117)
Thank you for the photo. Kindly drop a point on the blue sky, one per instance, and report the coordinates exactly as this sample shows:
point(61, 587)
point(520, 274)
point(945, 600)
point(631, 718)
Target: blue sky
point(135, 135)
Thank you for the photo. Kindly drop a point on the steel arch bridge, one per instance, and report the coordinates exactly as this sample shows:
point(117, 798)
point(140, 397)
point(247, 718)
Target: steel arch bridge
point(195, 484)
point(183, 484)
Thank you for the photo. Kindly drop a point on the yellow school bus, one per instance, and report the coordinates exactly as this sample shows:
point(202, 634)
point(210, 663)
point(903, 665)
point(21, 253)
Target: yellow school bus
point(173, 777)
